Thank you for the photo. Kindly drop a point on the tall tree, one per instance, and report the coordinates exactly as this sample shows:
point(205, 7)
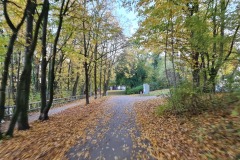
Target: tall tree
point(63, 10)
point(44, 60)
point(13, 37)
point(23, 89)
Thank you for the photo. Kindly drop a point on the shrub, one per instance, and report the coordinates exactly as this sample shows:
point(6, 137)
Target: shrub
point(185, 99)
point(135, 90)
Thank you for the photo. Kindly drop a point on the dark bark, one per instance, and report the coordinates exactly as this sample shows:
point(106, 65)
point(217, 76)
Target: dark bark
point(95, 70)
point(25, 79)
point(10, 48)
point(52, 64)
point(36, 75)
point(12, 86)
point(217, 61)
point(86, 82)
point(86, 65)
point(19, 64)
point(74, 91)
point(100, 78)
point(195, 69)
point(23, 89)
point(44, 62)
point(69, 72)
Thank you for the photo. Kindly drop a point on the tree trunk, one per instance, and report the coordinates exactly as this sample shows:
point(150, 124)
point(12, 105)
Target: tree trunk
point(104, 84)
point(23, 89)
point(25, 79)
point(36, 80)
point(204, 68)
point(52, 64)
point(44, 63)
point(19, 65)
point(8, 56)
point(95, 71)
point(69, 72)
point(5, 75)
point(100, 81)
point(195, 68)
point(86, 82)
point(12, 86)
point(172, 56)
point(74, 91)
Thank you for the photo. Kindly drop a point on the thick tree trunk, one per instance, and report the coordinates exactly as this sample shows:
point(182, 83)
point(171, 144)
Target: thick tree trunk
point(23, 89)
point(44, 63)
point(23, 94)
point(24, 83)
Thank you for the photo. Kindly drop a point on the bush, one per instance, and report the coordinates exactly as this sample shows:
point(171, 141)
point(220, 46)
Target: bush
point(135, 90)
point(185, 99)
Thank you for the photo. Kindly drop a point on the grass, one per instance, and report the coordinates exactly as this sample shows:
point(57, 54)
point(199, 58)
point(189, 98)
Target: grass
point(158, 92)
point(152, 93)
point(116, 92)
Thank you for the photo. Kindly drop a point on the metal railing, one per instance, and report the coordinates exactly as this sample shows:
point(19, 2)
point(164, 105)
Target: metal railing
point(35, 106)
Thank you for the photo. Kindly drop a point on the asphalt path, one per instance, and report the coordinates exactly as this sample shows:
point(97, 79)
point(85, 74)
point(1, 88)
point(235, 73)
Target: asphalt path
point(119, 138)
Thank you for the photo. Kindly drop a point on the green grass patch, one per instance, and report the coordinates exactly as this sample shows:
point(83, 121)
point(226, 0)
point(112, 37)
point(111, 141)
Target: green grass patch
point(116, 92)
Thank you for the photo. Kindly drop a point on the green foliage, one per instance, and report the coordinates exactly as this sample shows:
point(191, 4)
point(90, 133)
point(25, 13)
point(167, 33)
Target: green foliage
point(185, 99)
point(131, 69)
point(135, 90)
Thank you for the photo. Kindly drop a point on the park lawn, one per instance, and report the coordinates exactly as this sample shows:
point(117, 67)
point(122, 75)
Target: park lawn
point(211, 135)
point(116, 92)
point(161, 92)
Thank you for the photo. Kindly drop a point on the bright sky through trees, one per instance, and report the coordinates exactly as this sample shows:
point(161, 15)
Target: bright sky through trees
point(127, 19)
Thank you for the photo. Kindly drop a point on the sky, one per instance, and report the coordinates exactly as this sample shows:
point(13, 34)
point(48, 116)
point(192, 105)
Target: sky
point(128, 20)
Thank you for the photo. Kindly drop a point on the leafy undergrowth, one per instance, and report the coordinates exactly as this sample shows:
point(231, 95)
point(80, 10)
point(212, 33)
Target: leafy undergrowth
point(210, 135)
point(53, 138)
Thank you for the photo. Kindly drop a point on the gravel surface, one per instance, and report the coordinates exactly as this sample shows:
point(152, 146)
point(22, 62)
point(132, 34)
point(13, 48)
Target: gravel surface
point(117, 138)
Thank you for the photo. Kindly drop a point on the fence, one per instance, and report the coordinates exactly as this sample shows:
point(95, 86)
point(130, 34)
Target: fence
point(34, 106)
